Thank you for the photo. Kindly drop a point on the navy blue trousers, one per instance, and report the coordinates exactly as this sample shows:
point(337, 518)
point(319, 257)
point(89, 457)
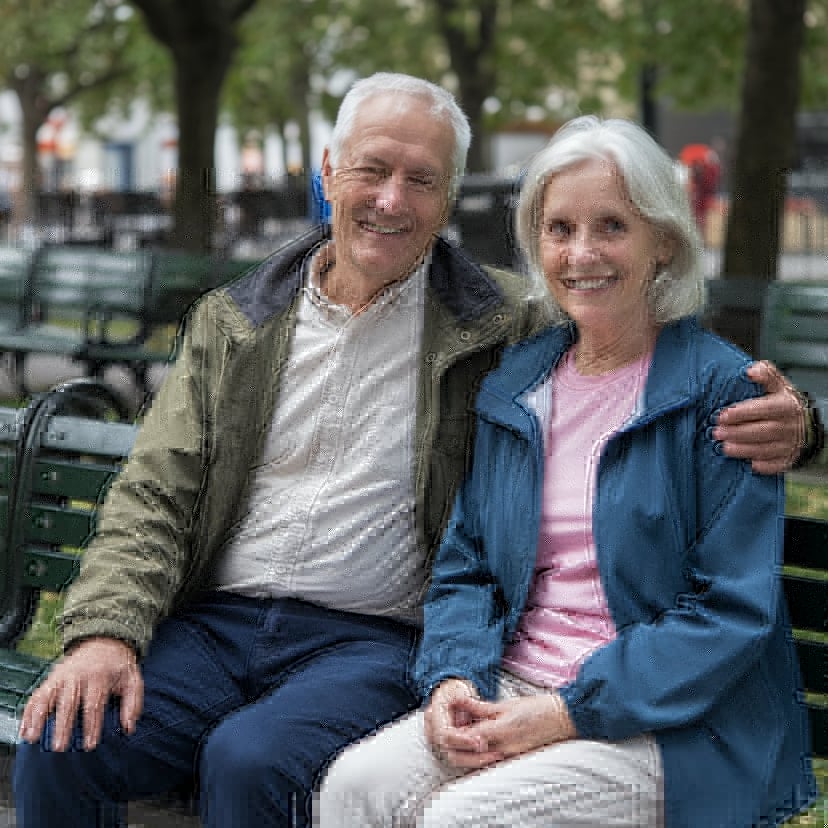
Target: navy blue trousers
point(253, 697)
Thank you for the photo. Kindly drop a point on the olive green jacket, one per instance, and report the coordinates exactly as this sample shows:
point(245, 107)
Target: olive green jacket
point(172, 509)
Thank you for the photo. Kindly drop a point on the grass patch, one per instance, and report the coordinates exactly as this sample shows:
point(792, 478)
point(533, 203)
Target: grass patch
point(806, 499)
point(43, 639)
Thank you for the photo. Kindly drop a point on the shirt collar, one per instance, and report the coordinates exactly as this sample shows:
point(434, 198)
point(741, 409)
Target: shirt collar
point(323, 257)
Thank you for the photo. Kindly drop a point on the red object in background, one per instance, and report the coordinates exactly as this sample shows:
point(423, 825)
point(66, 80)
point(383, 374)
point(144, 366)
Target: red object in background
point(704, 171)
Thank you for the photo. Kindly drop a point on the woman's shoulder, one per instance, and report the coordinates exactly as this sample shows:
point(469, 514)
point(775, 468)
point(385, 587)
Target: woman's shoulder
point(716, 364)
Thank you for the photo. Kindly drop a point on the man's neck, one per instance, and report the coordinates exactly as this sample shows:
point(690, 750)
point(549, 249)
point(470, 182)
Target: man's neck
point(352, 290)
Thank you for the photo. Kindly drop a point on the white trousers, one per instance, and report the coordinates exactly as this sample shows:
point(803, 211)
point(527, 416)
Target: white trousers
point(393, 779)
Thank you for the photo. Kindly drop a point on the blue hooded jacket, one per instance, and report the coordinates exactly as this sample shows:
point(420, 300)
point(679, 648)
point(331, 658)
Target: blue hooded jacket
point(689, 545)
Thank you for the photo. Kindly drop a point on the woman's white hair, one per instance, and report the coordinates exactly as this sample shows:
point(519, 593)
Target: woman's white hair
point(655, 189)
point(443, 104)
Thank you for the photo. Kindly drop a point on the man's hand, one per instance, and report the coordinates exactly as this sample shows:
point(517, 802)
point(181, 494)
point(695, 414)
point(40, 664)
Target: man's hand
point(84, 679)
point(770, 430)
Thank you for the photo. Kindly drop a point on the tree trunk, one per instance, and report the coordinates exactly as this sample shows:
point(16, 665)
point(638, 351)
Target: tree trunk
point(470, 51)
point(35, 108)
point(201, 38)
point(764, 152)
point(200, 68)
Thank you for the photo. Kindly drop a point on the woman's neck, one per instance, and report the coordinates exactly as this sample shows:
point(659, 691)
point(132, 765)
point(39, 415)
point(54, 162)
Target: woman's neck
point(600, 355)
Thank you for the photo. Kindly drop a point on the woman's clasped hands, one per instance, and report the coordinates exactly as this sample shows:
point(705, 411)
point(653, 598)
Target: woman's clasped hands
point(469, 733)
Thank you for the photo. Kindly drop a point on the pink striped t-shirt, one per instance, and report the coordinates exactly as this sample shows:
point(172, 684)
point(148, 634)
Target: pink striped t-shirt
point(566, 615)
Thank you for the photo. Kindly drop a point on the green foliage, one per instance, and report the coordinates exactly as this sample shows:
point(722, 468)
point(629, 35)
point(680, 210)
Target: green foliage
point(76, 47)
point(549, 60)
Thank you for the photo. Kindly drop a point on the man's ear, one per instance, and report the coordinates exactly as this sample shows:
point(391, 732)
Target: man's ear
point(326, 174)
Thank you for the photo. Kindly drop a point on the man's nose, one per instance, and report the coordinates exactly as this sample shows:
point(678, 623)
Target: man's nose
point(390, 196)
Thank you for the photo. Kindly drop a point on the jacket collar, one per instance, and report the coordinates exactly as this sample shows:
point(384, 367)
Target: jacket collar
point(460, 284)
point(670, 382)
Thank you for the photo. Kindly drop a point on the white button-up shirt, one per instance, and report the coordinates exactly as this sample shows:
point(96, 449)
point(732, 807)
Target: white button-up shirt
point(330, 516)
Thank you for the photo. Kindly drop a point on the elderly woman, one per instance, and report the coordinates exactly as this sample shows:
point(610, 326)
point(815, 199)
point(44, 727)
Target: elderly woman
point(605, 636)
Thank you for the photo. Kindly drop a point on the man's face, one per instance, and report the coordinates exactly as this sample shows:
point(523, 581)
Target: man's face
point(389, 191)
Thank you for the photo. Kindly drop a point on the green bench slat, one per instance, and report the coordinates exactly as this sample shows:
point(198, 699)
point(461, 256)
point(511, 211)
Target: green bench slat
point(819, 729)
point(64, 526)
point(81, 436)
point(795, 335)
point(13, 661)
point(806, 543)
point(813, 661)
point(11, 702)
point(806, 601)
point(49, 569)
point(20, 682)
point(69, 479)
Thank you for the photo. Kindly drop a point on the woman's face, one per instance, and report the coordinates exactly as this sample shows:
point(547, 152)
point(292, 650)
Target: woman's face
point(598, 253)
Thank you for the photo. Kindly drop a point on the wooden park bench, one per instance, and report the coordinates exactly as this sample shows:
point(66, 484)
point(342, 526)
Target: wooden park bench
point(58, 457)
point(99, 307)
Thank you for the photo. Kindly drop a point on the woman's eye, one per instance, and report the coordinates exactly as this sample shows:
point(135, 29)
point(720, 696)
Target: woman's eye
point(612, 225)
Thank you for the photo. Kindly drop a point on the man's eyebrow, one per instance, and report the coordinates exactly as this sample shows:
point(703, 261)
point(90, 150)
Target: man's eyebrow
point(378, 161)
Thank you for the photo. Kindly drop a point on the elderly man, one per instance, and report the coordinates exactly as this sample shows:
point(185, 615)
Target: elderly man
point(251, 599)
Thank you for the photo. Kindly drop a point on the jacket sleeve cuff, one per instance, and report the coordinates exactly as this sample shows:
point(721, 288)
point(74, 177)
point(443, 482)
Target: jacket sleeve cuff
point(814, 440)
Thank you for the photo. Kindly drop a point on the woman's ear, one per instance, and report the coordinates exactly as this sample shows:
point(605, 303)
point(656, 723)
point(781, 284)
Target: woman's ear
point(665, 249)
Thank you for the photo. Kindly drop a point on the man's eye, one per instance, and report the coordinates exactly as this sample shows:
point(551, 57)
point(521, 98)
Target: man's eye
point(556, 229)
point(422, 182)
point(370, 175)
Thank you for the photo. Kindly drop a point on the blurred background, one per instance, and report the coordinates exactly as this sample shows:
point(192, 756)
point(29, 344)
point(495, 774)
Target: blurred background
point(198, 125)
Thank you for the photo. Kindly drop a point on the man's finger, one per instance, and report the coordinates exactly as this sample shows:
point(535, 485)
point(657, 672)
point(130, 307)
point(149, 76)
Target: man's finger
point(93, 714)
point(66, 711)
point(132, 702)
point(767, 375)
point(742, 447)
point(36, 712)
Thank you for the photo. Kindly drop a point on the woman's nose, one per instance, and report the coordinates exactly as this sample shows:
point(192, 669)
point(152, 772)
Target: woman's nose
point(581, 247)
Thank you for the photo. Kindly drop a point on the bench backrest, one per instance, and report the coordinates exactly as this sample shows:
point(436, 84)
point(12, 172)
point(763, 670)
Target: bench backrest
point(54, 470)
point(180, 278)
point(795, 335)
point(15, 275)
point(83, 282)
point(805, 579)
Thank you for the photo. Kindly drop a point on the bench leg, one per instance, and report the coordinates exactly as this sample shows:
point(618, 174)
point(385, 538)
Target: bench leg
point(20, 374)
